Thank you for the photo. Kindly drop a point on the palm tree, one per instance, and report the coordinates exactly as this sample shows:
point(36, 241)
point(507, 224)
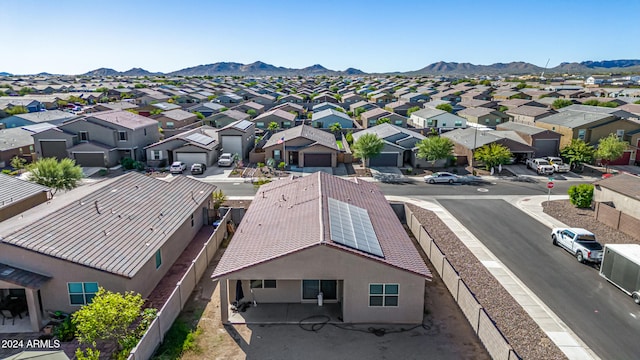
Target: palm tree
point(335, 128)
point(273, 126)
point(367, 146)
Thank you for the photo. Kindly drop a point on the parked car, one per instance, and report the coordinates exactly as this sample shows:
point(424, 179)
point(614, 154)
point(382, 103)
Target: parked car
point(558, 165)
point(541, 166)
point(225, 159)
point(441, 177)
point(579, 242)
point(198, 169)
point(178, 167)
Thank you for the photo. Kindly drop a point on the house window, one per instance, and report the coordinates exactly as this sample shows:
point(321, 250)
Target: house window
point(398, 122)
point(444, 124)
point(158, 258)
point(260, 124)
point(311, 289)
point(263, 284)
point(145, 132)
point(191, 220)
point(84, 136)
point(487, 121)
point(581, 134)
point(122, 135)
point(30, 148)
point(383, 294)
point(81, 293)
point(277, 154)
point(620, 134)
point(430, 122)
point(156, 155)
point(458, 123)
point(170, 125)
point(286, 124)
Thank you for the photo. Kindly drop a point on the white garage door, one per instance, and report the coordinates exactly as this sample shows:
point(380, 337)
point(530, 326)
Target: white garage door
point(232, 144)
point(192, 158)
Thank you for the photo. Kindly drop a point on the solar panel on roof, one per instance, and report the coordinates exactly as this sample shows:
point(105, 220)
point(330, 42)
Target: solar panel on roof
point(243, 125)
point(351, 226)
point(200, 139)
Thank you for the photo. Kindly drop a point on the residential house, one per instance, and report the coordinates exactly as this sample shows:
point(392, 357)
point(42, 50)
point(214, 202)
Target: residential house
point(471, 103)
point(528, 114)
point(263, 99)
point(148, 96)
point(365, 105)
point(206, 108)
point(291, 98)
point(303, 146)
point(510, 94)
point(375, 276)
point(436, 119)
point(284, 119)
point(399, 146)
point(382, 98)
point(400, 107)
point(326, 105)
point(175, 119)
point(452, 96)
point(200, 145)
point(250, 105)
point(229, 98)
point(325, 118)
point(19, 195)
point(16, 142)
point(128, 231)
point(514, 103)
point(120, 105)
point(225, 118)
point(414, 97)
point(483, 116)
point(370, 118)
point(352, 98)
point(545, 142)
point(623, 192)
point(100, 139)
point(238, 138)
point(10, 102)
point(296, 109)
point(466, 141)
point(55, 117)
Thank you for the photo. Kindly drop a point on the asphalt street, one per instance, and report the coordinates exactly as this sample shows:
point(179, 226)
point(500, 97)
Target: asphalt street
point(605, 318)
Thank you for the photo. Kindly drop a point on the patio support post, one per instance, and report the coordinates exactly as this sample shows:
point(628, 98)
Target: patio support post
point(224, 300)
point(35, 317)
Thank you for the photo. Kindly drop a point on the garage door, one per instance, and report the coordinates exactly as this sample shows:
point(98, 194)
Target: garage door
point(89, 159)
point(623, 160)
point(384, 159)
point(56, 149)
point(317, 160)
point(546, 147)
point(232, 144)
point(192, 158)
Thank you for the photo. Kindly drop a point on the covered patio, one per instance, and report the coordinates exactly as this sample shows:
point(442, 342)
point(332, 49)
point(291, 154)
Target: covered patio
point(287, 313)
point(20, 303)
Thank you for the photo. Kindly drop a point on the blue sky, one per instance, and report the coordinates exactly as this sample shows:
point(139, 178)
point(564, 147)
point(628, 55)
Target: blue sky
point(73, 37)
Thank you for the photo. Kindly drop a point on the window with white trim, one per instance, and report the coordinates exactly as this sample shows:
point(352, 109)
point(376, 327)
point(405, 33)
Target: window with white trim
point(170, 125)
point(83, 135)
point(582, 134)
point(385, 295)
point(81, 293)
point(156, 154)
point(122, 136)
point(619, 133)
point(263, 284)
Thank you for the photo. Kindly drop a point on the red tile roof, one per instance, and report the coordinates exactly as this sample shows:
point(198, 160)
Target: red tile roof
point(287, 216)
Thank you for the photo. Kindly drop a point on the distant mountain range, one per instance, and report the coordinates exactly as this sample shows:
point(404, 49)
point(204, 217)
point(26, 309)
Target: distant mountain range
point(260, 68)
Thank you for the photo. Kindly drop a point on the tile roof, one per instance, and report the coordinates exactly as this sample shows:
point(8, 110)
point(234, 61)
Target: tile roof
point(290, 215)
point(14, 138)
point(178, 114)
point(628, 185)
point(385, 130)
point(521, 128)
point(47, 116)
point(574, 119)
point(527, 110)
point(329, 112)
point(308, 132)
point(476, 111)
point(118, 227)
point(125, 119)
point(14, 189)
point(277, 112)
point(427, 113)
point(21, 277)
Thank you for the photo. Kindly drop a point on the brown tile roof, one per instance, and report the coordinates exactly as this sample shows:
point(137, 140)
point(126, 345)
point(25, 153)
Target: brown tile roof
point(118, 227)
point(308, 132)
point(290, 215)
point(527, 110)
point(279, 113)
point(21, 277)
point(15, 190)
point(628, 185)
point(178, 114)
point(125, 119)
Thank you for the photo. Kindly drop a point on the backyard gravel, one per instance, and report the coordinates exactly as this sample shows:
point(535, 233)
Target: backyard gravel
point(524, 335)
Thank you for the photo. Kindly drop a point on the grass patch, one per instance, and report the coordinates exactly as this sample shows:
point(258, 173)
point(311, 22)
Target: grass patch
point(180, 338)
point(340, 144)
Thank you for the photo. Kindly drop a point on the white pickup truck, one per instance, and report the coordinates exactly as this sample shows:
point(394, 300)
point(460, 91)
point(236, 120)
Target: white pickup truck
point(541, 166)
point(558, 165)
point(579, 242)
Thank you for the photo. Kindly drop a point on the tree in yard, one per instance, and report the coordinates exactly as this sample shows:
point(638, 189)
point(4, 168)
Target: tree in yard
point(25, 90)
point(637, 102)
point(359, 111)
point(367, 146)
point(610, 148)
point(521, 86)
point(435, 148)
point(16, 110)
point(577, 153)
point(252, 113)
point(335, 128)
point(493, 155)
point(102, 89)
point(107, 317)
point(592, 102)
point(199, 115)
point(411, 110)
point(18, 163)
point(445, 107)
point(54, 174)
point(383, 121)
point(273, 126)
point(560, 103)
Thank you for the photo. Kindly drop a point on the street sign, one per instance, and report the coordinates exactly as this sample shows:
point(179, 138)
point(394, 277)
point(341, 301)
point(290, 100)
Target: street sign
point(550, 185)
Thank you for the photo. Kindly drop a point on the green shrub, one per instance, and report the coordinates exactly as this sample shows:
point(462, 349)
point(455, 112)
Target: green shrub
point(281, 165)
point(260, 164)
point(581, 195)
point(6, 171)
point(409, 171)
point(349, 137)
point(127, 163)
point(139, 165)
point(66, 331)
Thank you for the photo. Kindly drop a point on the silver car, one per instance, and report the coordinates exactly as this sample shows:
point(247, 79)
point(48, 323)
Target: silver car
point(441, 177)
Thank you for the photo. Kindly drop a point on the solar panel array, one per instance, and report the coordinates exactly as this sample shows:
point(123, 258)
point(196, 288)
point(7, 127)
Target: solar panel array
point(200, 139)
point(351, 226)
point(243, 125)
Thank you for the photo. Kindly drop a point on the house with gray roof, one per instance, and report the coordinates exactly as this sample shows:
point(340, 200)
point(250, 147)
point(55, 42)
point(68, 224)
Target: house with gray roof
point(545, 142)
point(225, 118)
point(399, 146)
point(527, 114)
point(376, 274)
point(200, 145)
point(206, 108)
point(16, 142)
point(175, 119)
point(436, 119)
point(370, 118)
point(466, 141)
point(483, 116)
point(283, 118)
point(122, 234)
point(303, 146)
point(19, 195)
point(55, 117)
point(325, 118)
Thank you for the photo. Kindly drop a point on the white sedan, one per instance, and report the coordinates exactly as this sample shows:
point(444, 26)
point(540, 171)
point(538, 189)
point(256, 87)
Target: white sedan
point(441, 177)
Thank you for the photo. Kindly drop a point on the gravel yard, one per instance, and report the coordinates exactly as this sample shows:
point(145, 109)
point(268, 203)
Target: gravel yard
point(524, 335)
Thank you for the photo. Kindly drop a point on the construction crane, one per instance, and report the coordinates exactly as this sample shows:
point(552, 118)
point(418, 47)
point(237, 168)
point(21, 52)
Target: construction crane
point(542, 78)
